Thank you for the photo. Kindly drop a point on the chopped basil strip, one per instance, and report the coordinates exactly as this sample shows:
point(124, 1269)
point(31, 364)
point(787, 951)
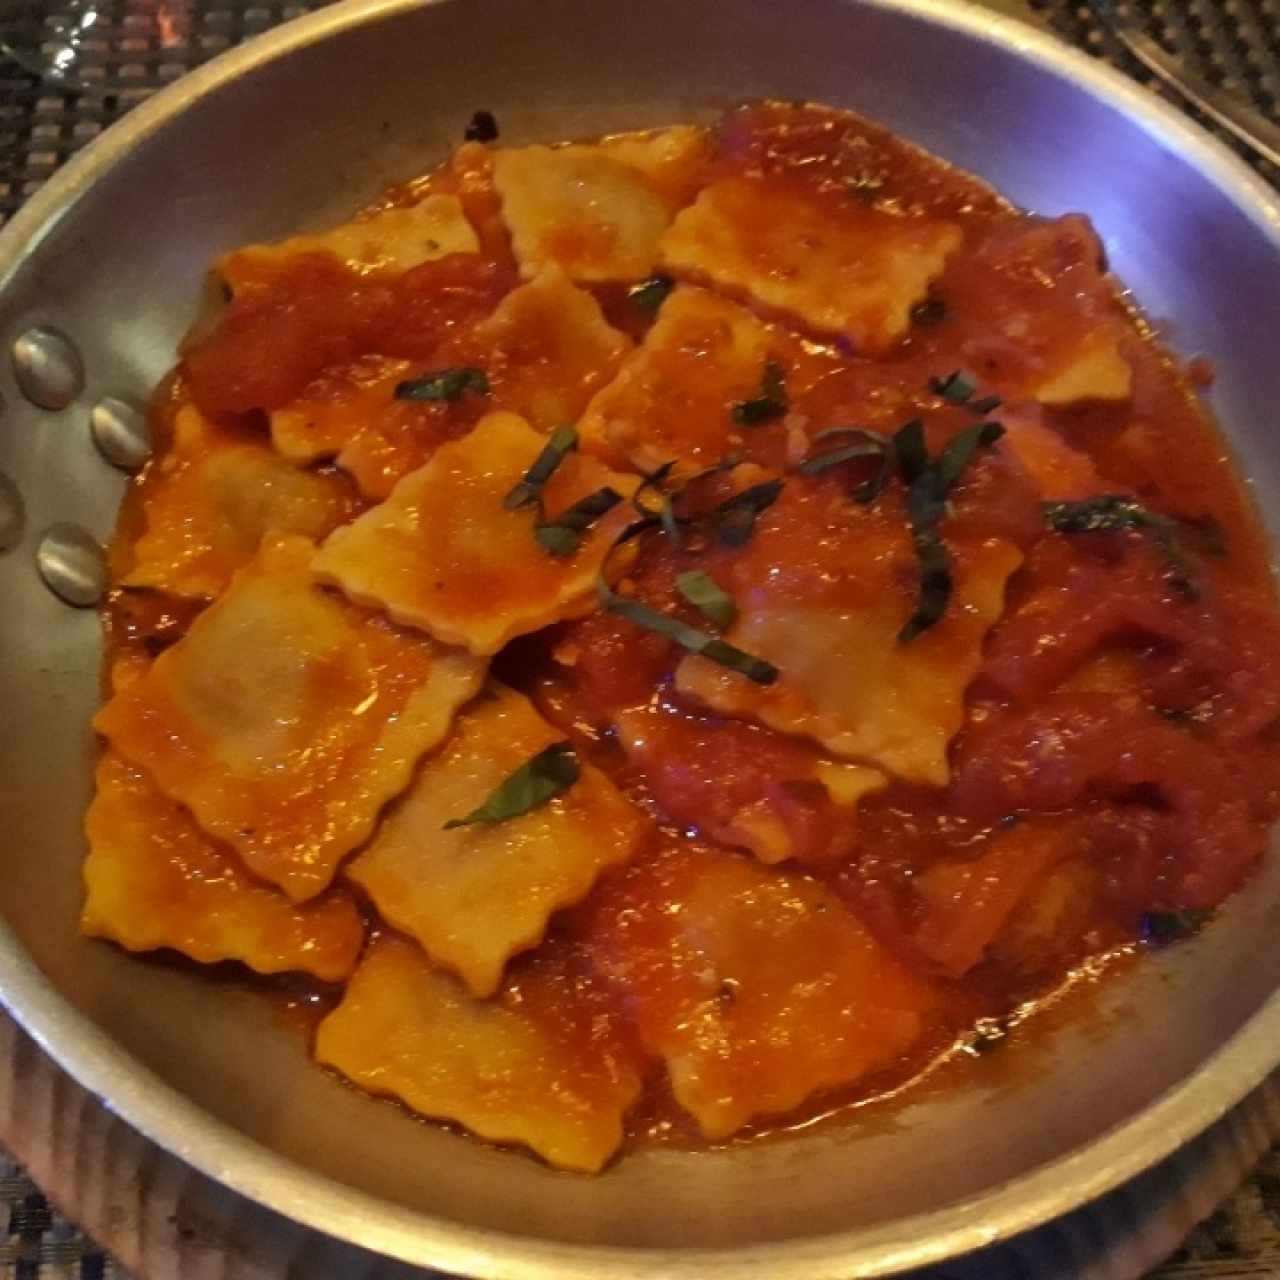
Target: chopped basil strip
point(771, 403)
point(959, 451)
point(1161, 927)
point(932, 310)
point(483, 127)
point(542, 777)
point(650, 294)
point(956, 388)
point(734, 520)
point(665, 511)
point(987, 404)
point(908, 444)
point(688, 637)
point(707, 596)
point(867, 444)
point(563, 535)
point(562, 442)
point(444, 384)
point(1113, 513)
point(929, 485)
point(935, 582)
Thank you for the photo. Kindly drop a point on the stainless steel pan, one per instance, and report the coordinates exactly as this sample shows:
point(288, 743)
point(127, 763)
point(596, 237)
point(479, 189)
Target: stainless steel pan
point(299, 127)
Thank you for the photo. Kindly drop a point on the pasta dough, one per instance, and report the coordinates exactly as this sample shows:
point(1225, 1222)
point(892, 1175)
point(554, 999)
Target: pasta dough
point(440, 886)
point(285, 719)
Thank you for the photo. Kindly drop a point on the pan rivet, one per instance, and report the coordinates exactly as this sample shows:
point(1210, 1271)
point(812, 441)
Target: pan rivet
point(48, 368)
point(73, 565)
point(121, 432)
point(11, 513)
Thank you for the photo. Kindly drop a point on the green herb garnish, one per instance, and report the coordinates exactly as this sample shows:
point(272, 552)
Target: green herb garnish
point(771, 403)
point(1162, 927)
point(866, 444)
point(542, 777)
point(734, 519)
point(687, 637)
point(483, 127)
point(929, 483)
point(650, 294)
point(563, 535)
point(562, 442)
point(707, 596)
point(955, 388)
point(1114, 513)
point(444, 384)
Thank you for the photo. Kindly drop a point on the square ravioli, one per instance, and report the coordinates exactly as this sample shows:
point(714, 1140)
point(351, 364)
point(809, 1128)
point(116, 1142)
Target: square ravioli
point(154, 879)
point(597, 210)
point(674, 396)
point(758, 989)
point(208, 502)
point(286, 718)
point(544, 351)
point(547, 349)
point(546, 1064)
point(390, 242)
point(441, 886)
point(829, 262)
point(444, 554)
point(824, 587)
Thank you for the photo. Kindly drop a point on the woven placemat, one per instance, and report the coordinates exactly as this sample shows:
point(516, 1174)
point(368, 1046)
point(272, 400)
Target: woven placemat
point(122, 51)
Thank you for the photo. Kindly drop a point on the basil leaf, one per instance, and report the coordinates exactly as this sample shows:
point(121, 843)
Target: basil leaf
point(934, 592)
point(908, 444)
point(1163, 927)
point(707, 596)
point(650, 294)
point(771, 403)
point(958, 453)
point(483, 128)
point(1111, 513)
point(987, 404)
point(563, 535)
point(955, 388)
point(928, 487)
point(868, 445)
point(562, 442)
point(542, 777)
point(665, 511)
point(734, 520)
point(688, 637)
point(444, 384)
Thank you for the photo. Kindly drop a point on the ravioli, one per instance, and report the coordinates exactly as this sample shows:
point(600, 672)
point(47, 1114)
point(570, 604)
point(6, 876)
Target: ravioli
point(830, 263)
point(545, 1064)
point(154, 879)
point(597, 210)
point(824, 589)
point(756, 988)
point(211, 499)
point(390, 242)
point(440, 886)
point(1093, 370)
point(674, 397)
point(336, 407)
point(285, 718)
point(443, 554)
point(547, 348)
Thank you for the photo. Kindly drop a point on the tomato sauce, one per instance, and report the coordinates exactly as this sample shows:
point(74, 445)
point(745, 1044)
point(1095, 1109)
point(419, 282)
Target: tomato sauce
point(1118, 759)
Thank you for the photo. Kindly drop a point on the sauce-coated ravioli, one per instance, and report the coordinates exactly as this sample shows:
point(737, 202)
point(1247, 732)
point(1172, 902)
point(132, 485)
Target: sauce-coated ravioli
point(769, 615)
point(440, 884)
point(445, 552)
point(285, 719)
point(154, 879)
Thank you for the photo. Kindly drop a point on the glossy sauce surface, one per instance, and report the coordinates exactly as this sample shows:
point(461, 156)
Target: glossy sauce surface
point(1113, 768)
